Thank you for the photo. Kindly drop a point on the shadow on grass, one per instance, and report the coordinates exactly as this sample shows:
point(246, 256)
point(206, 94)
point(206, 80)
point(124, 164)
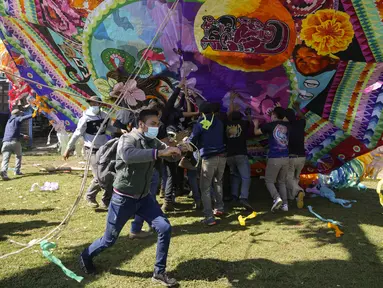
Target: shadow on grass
point(25, 211)
point(265, 273)
point(124, 250)
point(362, 269)
point(16, 228)
point(45, 173)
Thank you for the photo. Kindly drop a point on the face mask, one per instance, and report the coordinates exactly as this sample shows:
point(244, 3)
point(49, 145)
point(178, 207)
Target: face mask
point(151, 133)
point(94, 109)
point(206, 123)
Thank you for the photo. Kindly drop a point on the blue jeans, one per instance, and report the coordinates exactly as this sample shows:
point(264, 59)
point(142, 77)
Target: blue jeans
point(240, 175)
point(121, 209)
point(193, 183)
point(138, 221)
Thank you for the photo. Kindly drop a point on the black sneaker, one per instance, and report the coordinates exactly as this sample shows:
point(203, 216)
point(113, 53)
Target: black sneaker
point(86, 265)
point(4, 176)
point(164, 279)
point(19, 173)
point(167, 206)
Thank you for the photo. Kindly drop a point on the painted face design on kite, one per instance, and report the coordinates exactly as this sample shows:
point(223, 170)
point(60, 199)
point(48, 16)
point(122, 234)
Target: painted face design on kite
point(313, 72)
point(309, 63)
point(164, 89)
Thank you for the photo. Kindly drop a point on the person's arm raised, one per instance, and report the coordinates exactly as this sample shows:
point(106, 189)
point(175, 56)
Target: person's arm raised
point(257, 131)
point(298, 110)
point(80, 130)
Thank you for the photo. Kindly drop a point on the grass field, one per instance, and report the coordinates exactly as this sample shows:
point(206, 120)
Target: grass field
point(291, 249)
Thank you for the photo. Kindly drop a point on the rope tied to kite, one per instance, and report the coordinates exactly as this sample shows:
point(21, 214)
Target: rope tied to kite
point(58, 229)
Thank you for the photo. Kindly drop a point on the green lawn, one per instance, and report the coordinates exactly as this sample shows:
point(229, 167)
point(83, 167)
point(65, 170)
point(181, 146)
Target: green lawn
point(291, 249)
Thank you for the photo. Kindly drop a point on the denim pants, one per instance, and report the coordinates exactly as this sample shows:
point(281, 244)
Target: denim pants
point(121, 209)
point(212, 169)
point(7, 150)
point(193, 183)
point(293, 176)
point(276, 172)
point(239, 175)
point(138, 221)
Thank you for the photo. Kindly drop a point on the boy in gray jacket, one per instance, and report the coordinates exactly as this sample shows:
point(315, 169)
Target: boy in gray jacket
point(136, 156)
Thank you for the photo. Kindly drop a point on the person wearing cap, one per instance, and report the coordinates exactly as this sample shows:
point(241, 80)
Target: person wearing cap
point(87, 127)
point(278, 157)
point(11, 142)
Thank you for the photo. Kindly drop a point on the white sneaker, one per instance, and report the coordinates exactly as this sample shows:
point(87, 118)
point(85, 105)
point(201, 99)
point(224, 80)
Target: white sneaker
point(276, 204)
point(285, 207)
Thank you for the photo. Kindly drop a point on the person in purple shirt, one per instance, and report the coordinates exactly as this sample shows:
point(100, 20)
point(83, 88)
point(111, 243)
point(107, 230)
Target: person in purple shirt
point(11, 142)
point(278, 156)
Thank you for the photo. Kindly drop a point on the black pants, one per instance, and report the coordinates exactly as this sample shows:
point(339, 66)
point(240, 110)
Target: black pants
point(170, 189)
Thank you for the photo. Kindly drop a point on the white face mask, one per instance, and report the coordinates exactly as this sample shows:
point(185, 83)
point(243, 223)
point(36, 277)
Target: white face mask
point(94, 109)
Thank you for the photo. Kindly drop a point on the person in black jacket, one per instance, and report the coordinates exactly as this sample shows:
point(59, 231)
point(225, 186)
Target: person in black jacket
point(237, 159)
point(297, 154)
point(171, 118)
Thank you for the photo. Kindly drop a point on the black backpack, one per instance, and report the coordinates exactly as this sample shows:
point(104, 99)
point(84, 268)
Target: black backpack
point(106, 163)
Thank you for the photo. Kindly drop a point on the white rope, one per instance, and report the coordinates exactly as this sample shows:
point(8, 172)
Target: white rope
point(56, 231)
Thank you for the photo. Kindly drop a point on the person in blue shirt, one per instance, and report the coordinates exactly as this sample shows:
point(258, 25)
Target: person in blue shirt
point(11, 142)
point(209, 136)
point(278, 156)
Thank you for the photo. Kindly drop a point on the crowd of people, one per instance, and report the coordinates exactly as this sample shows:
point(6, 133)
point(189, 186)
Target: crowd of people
point(152, 151)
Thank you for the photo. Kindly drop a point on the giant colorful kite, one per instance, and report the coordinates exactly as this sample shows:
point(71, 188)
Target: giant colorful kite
point(325, 54)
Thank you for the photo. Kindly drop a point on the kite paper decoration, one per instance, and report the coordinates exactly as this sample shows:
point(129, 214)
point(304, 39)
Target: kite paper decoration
point(327, 55)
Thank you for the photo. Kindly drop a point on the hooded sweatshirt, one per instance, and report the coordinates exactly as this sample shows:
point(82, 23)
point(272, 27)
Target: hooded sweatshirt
point(87, 126)
point(135, 159)
point(210, 141)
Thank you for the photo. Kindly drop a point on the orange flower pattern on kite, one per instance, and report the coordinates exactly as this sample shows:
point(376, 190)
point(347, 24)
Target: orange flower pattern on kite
point(327, 31)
